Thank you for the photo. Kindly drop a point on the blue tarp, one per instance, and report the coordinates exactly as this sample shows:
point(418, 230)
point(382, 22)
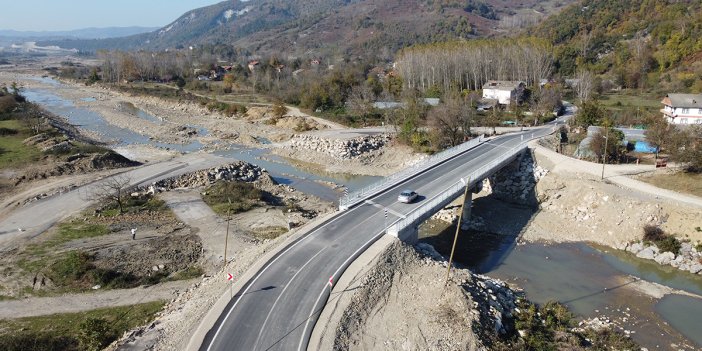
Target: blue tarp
point(642, 146)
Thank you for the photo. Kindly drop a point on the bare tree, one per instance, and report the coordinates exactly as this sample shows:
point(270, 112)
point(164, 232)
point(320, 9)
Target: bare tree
point(451, 121)
point(112, 190)
point(584, 85)
point(658, 131)
point(360, 101)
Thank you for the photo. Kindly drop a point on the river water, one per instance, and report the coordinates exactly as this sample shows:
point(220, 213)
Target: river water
point(592, 281)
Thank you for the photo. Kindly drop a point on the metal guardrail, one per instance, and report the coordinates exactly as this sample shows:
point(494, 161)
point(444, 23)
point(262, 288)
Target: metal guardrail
point(451, 191)
point(393, 179)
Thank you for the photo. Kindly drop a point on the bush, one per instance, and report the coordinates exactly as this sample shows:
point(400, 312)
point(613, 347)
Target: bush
point(71, 268)
point(7, 131)
point(243, 197)
point(669, 244)
point(653, 233)
point(36, 341)
point(94, 334)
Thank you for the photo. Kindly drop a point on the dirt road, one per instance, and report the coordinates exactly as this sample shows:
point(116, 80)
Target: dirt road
point(72, 303)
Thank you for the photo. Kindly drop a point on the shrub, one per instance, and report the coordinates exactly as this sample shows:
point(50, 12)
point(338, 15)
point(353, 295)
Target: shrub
point(653, 233)
point(94, 334)
point(669, 244)
point(7, 131)
point(71, 268)
point(243, 197)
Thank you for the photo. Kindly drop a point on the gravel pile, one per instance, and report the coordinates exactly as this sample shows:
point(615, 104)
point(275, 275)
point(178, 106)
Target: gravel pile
point(237, 171)
point(339, 148)
point(688, 259)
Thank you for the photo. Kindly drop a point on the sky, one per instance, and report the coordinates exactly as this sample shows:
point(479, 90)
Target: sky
point(51, 15)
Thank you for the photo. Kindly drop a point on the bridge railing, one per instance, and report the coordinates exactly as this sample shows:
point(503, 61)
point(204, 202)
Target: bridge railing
point(452, 190)
point(361, 194)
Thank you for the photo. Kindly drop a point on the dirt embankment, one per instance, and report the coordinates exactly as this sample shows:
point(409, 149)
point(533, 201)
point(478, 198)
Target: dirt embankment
point(404, 303)
point(601, 212)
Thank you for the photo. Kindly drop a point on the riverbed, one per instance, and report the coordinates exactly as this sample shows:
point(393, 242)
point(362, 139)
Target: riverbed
point(327, 186)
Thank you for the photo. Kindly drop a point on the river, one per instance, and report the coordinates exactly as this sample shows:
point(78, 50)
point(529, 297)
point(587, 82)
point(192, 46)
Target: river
point(306, 179)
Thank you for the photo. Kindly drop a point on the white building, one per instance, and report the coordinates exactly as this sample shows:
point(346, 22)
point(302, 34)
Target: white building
point(682, 108)
point(505, 92)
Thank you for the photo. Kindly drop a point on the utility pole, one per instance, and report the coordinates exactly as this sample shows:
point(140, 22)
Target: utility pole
point(458, 228)
point(226, 236)
point(604, 154)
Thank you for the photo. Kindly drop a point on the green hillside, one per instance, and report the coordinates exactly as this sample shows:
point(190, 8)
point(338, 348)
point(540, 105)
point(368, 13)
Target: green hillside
point(636, 43)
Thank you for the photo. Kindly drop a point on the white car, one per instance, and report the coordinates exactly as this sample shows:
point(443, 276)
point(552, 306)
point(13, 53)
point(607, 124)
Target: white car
point(407, 196)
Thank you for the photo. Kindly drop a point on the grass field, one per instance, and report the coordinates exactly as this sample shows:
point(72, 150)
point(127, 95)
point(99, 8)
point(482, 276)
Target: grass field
point(12, 152)
point(682, 182)
point(629, 100)
point(74, 331)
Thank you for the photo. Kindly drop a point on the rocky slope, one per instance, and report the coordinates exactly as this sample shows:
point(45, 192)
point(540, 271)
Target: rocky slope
point(408, 288)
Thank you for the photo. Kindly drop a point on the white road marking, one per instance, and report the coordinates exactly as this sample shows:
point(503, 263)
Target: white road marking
point(260, 332)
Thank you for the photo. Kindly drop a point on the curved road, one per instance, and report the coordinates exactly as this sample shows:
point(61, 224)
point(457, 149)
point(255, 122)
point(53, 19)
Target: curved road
point(278, 308)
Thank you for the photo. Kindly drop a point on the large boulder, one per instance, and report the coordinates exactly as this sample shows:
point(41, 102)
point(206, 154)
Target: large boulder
point(635, 248)
point(695, 268)
point(664, 258)
point(647, 253)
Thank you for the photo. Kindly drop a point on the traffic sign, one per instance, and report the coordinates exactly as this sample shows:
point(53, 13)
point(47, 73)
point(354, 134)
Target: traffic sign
point(331, 281)
point(230, 276)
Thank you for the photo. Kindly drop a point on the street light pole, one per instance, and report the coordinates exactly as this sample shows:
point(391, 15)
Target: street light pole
point(226, 236)
point(604, 154)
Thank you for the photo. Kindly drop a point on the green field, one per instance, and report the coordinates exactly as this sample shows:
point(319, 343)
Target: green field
point(12, 152)
point(630, 101)
point(91, 330)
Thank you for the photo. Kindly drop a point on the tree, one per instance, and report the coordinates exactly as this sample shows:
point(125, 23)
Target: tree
point(590, 114)
point(112, 190)
point(658, 131)
point(360, 101)
point(686, 148)
point(613, 144)
point(584, 85)
point(408, 120)
point(180, 82)
point(451, 121)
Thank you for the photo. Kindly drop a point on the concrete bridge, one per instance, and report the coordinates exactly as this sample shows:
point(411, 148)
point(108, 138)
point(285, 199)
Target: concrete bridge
point(278, 308)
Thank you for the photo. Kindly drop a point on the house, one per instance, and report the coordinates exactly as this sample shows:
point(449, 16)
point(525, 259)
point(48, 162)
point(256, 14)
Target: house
point(682, 108)
point(253, 64)
point(505, 92)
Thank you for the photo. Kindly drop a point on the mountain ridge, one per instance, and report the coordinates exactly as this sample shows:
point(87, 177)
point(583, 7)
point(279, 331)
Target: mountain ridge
point(309, 27)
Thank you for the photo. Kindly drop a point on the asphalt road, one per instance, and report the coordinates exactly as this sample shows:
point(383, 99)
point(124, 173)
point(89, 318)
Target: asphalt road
point(36, 217)
point(278, 308)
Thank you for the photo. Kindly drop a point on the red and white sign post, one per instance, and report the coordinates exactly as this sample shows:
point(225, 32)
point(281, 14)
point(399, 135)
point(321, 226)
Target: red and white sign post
point(331, 282)
point(230, 278)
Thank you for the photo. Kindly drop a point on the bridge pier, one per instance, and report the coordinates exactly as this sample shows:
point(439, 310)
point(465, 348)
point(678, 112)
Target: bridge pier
point(467, 205)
